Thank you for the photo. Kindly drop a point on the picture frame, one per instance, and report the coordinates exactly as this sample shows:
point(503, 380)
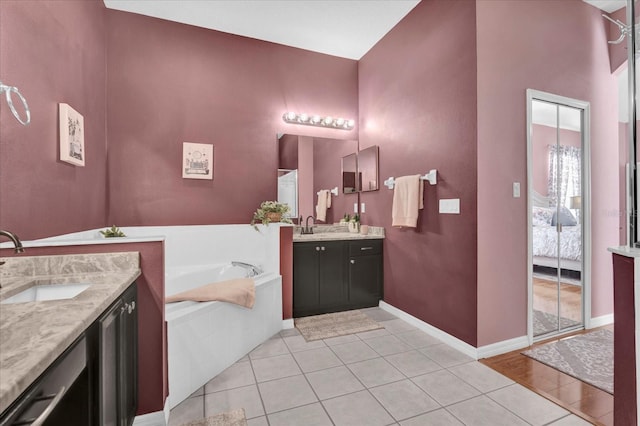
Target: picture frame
point(197, 160)
point(71, 128)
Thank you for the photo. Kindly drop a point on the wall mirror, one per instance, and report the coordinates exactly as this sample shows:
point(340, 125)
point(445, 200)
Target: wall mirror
point(307, 164)
point(349, 172)
point(368, 169)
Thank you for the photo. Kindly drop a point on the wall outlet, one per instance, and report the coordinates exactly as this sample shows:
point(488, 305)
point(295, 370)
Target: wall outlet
point(361, 207)
point(516, 189)
point(355, 207)
point(450, 206)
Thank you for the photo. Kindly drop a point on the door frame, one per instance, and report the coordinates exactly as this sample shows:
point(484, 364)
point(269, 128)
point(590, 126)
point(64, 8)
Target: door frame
point(585, 212)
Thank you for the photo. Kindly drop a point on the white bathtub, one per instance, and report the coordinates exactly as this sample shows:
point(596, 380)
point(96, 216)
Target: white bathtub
point(205, 338)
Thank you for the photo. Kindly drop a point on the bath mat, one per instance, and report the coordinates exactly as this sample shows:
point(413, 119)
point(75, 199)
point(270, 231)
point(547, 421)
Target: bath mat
point(587, 357)
point(230, 418)
point(333, 325)
point(544, 322)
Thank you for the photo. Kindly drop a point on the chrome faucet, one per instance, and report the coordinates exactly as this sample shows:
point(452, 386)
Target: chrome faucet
point(17, 244)
point(307, 229)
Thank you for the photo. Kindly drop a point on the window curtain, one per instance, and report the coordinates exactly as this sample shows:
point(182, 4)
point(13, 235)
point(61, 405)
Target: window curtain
point(564, 174)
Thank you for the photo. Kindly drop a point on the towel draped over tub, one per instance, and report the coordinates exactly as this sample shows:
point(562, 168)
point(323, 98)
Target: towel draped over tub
point(241, 291)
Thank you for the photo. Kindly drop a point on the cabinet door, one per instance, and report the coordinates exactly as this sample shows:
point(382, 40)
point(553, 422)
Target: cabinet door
point(305, 278)
point(109, 371)
point(331, 274)
point(365, 281)
point(129, 357)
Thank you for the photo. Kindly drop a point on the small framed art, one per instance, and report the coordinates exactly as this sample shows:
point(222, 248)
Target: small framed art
point(197, 161)
point(71, 135)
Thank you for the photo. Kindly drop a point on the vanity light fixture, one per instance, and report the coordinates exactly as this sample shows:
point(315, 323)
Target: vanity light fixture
point(316, 120)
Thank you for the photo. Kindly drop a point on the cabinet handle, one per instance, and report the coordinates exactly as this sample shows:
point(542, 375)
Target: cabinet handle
point(39, 421)
point(317, 248)
point(366, 248)
point(322, 248)
point(123, 309)
point(353, 262)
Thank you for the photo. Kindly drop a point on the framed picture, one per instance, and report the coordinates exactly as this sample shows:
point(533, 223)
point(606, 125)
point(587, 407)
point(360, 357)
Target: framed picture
point(71, 135)
point(197, 161)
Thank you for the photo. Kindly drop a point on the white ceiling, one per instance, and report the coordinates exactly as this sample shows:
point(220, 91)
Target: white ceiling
point(345, 28)
point(607, 5)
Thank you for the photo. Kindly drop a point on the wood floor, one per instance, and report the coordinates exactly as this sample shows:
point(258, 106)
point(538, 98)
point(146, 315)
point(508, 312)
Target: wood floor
point(545, 298)
point(582, 399)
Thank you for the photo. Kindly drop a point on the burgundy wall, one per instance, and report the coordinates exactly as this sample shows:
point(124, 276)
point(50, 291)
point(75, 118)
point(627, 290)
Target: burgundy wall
point(560, 48)
point(153, 385)
point(171, 83)
point(53, 52)
point(624, 359)
point(327, 174)
point(418, 103)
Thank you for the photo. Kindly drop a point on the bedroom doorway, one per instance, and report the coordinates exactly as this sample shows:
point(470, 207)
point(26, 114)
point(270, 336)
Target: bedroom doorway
point(558, 188)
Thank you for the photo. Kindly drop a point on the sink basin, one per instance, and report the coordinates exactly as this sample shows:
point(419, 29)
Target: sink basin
point(47, 292)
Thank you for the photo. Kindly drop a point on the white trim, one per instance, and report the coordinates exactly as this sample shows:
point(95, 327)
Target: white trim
point(157, 418)
point(503, 347)
point(288, 324)
point(450, 340)
point(586, 203)
point(493, 349)
point(600, 321)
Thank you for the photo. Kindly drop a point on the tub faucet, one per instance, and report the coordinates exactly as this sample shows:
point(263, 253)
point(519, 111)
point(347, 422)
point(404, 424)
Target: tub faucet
point(307, 229)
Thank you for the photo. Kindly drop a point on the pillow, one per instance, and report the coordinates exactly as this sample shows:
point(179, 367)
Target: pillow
point(542, 216)
point(563, 217)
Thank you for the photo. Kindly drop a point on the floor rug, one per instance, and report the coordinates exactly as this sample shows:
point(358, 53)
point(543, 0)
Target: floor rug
point(333, 325)
point(230, 418)
point(544, 322)
point(587, 357)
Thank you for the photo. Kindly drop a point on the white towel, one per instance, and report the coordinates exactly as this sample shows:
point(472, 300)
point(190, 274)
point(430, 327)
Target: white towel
point(324, 202)
point(408, 198)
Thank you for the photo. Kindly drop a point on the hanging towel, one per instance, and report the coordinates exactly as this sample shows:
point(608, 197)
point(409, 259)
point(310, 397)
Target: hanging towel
point(324, 202)
point(408, 198)
point(241, 291)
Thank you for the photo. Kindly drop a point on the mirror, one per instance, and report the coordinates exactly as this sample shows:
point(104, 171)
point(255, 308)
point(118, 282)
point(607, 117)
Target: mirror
point(368, 169)
point(317, 165)
point(349, 170)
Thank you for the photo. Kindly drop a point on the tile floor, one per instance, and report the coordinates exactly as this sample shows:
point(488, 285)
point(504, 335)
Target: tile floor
point(398, 375)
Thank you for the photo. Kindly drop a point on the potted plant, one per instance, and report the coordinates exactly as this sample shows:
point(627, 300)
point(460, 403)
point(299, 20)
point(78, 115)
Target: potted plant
point(271, 211)
point(112, 232)
point(354, 223)
point(346, 218)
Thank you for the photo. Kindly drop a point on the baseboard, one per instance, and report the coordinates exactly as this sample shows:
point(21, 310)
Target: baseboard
point(503, 347)
point(601, 320)
point(287, 324)
point(157, 418)
point(450, 340)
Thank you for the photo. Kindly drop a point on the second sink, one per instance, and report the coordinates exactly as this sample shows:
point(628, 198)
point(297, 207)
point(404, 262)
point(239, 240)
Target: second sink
point(39, 293)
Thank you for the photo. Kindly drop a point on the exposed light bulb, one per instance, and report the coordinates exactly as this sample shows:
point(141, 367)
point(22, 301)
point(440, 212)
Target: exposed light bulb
point(328, 120)
point(291, 115)
point(315, 119)
point(351, 123)
point(304, 117)
point(340, 122)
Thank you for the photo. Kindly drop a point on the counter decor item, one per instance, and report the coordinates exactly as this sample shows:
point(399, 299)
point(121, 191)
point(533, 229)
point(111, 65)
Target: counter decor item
point(346, 218)
point(354, 224)
point(271, 211)
point(364, 229)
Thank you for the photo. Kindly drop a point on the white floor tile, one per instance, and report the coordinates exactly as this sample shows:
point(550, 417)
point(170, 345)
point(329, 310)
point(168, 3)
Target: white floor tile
point(357, 409)
point(481, 377)
point(404, 399)
point(439, 417)
point(334, 382)
point(308, 415)
point(287, 393)
point(445, 388)
point(482, 411)
point(246, 397)
point(528, 405)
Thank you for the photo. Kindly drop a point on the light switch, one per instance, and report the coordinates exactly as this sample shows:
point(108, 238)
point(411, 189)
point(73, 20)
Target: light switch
point(516, 189)
point(450, 206)
point(361, 207)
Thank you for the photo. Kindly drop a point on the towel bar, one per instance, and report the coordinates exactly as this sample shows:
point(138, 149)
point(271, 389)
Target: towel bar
point(431, 177)
point(334, 191)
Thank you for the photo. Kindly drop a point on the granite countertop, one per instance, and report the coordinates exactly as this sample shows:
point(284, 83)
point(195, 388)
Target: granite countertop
point(336, 233)
point(34, 334)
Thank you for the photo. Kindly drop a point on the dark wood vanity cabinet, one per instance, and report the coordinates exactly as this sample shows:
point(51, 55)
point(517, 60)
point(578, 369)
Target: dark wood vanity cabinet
point(319, 271)
point(116, 369)
point(333, 276)
point(365, 273)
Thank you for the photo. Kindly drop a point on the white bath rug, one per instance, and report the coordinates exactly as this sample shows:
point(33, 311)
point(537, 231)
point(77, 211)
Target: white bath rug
point(229, 418)
point(324, 326)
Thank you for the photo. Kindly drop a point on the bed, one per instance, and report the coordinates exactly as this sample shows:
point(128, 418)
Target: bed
point(545, 236)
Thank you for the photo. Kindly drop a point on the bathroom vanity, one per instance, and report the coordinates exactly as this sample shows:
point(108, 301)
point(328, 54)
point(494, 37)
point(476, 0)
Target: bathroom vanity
point(69, 358)
point(336, 271)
